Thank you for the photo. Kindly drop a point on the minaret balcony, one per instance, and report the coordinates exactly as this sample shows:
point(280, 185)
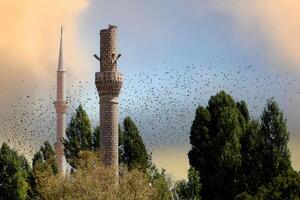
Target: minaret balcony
point(61, 106)
point(109, 75)
point(109, 82)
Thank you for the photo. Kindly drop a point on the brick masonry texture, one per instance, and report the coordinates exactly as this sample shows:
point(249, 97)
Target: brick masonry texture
point(109, 82)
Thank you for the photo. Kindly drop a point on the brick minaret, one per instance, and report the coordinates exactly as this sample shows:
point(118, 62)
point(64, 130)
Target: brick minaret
point(61, 108)
point(109, 82)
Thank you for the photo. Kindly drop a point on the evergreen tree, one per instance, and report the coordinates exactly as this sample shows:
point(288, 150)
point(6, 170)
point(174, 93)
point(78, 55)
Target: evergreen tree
point(275, 136)
point(43, 163)
point(252, 147)
point(186, 190)
point(158, 180)
point(242, 107)
point(285, 187)
point(45, 158)
point(14, 175)
point(96, 139)
point(135, 153)
point(201, 154)
point(216, 149)
point(78, 136)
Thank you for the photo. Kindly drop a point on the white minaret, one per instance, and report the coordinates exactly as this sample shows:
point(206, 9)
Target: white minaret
point(61, 108)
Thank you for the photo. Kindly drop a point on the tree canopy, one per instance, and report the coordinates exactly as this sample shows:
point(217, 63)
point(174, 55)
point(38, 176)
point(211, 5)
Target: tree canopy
point(236, 155)
point(78, 136)
point(14, 175)
point(135, 153)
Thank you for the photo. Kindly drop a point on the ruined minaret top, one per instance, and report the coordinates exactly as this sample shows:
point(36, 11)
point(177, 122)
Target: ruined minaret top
point(108, 49)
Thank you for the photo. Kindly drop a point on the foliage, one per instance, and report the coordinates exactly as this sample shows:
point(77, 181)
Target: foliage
point(252, 148)
point(216, 149)
point(159, 180)
point(281, 188)
point(235, 154)
point(45, 157)
point(44, 161)
point(189, 190)
point(132, 151)
point(78, 136)
point(96, 139)
point(275, 136)
point(14, 175)
point(135, 153)
point(92, 180)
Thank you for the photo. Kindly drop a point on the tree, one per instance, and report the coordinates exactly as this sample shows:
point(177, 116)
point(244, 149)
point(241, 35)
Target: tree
point(96, 139)
point(43, 163)
point(92, 181)
point(78, 136)
point(265, 153)
point(158, 180)
point(190, 189)
point(251, 151)
point(45, 157)
point(14, 175)
point(242, 107)
point(280, 188)
point(275, 137)
point(135, 153)
point(216, 148)
point(235, 154)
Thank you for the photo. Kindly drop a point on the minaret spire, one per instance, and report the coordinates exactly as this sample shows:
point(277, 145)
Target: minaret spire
point(61, 56)
point(61, 108)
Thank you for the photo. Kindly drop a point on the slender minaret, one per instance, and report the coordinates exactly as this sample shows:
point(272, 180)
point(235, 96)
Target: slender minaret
point(61, 108)
point(109, 82)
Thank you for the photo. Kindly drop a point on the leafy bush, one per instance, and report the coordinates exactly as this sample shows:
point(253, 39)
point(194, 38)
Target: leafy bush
point(93, 181)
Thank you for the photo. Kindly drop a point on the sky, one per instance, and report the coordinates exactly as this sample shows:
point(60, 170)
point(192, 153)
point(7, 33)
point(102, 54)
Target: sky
point(170, 49)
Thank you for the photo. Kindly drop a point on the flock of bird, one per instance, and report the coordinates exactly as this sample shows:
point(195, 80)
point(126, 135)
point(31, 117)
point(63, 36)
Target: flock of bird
point(161, 100)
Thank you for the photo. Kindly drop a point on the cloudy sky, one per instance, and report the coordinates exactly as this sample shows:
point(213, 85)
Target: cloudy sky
point(156, 38)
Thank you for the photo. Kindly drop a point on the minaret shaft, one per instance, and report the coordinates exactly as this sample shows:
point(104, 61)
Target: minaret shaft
point(61, 108)
point(109, 82)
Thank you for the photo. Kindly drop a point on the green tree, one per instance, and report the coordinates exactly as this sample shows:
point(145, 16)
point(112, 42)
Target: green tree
point(216, 148)
point(275, 137)
point(242, 107)
point(135, 153)
point(158, 180)
point(280, 188)
point(189, 190)
point(252, 147)
point(265, 153)
point(14, 175)
point(96, 139)
point(78, 136)
point(43, 163)
point(45, 157)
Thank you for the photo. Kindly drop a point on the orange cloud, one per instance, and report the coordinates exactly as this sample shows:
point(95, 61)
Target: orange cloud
point(29, 41)
point(29, 44)
point(275, 22)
